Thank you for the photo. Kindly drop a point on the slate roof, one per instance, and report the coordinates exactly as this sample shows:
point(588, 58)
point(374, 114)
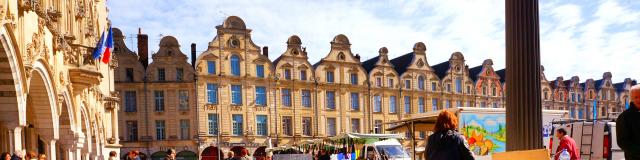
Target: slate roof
point(474, 72)
point(619, 87)
point(369, 64)
point(441, 69)
point(598, 84)
point(401, 63)
point(502, 74)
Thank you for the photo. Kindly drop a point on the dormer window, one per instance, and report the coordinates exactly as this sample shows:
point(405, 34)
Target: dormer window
point(287, 74)
point(390, 83)
point(303, 75)
point(378, 82)
point(329, 77)
point(407, 84)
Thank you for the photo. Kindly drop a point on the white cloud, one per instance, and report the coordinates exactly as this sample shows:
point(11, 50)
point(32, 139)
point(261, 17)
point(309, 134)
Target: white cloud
point(580, 38)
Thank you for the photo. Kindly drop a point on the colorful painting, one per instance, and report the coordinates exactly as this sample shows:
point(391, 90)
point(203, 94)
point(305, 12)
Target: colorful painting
point(485, 133)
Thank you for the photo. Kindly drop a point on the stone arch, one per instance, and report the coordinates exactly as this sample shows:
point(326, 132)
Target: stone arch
point(42, 101)
point(12, 81)
point(84, 131)
point(211, 153)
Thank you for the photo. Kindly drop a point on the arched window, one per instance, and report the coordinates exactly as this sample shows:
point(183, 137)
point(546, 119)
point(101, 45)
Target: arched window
point(235, 65)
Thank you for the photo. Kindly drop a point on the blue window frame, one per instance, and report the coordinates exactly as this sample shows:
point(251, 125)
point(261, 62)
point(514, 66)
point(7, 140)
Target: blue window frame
point(237, 124)
point(260, 71)
point(306, 98)
point(355, 101)
point(407, 104)
point(421, 83)
point(434, 104)
point(236, 94)
point(211, 67)
point(261, 125)
point(392, 104)
point(572, 112)
point(354, 78)
point(331, 99)
point(212, 93)
point(213, 124)
point(286, 97)
point(377, 103)
point(421, 105)
point(287, 74)
point(235, 65)
point(329, 77)
point(261, 96)
point(459, 85)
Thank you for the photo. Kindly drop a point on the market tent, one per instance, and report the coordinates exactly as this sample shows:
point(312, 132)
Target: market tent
point(422, 122)
point(366, 136)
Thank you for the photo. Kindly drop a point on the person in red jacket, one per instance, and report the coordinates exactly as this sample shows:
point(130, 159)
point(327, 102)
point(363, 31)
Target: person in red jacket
point(568, 143)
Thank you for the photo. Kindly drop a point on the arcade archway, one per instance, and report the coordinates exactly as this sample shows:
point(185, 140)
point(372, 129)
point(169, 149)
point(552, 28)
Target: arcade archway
point(212, 153)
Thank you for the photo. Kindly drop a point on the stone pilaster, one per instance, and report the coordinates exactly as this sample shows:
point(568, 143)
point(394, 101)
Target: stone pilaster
point(524, 112)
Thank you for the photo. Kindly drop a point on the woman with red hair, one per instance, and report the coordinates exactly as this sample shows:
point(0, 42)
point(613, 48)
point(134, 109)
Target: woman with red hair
point(446, 142)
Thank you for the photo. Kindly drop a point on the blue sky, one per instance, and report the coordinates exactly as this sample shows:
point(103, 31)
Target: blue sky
point(583, 38)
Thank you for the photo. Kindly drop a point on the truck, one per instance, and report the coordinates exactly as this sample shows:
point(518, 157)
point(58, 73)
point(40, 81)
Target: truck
point(483, 128)
point(596, 139)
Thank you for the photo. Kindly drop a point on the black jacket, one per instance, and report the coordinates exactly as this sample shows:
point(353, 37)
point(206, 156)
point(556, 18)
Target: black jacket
point(449, 145)
point(628, 132)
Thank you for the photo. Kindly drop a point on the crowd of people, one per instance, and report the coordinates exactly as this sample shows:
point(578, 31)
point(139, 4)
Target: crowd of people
point(23, 155)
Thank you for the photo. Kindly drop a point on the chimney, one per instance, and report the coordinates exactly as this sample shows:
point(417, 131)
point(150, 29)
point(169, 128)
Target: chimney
point(193, 55)
point(265, 51)
point(143, 48)
point(358, 57)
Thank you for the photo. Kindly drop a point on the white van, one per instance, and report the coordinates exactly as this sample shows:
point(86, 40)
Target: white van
point(389, 149)
point(595, 139)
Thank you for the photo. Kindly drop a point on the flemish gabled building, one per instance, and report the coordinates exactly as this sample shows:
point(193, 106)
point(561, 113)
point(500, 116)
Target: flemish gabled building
point(296, 95)
point(158, 99)
point(559, 93)
point(575, 99)
point(606, 96)
point(623, 94)
point(384, 90)
point(233, 82)
point(487, 86)
point(341, 80)
point(455, 83)
point(545, 88)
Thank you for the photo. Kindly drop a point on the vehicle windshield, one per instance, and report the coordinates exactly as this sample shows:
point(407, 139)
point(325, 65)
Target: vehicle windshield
point(392, 151)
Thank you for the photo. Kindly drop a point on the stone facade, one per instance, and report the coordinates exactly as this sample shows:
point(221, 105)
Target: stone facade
point(55, 99)
point(245, 100)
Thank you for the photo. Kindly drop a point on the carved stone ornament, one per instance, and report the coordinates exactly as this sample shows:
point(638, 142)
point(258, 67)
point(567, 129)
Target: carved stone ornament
point(80, 9)
point(29, 5)
point(236, 108)
point(210, 107)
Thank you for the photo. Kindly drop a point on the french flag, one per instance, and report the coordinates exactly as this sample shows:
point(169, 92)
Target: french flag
point(104, 47)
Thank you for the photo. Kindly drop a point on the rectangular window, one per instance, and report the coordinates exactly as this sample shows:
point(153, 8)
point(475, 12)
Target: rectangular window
point(407, 104)
point(179, 74)
point(392, 104)
point(306, 98)
point(459, 85)
point(161, 75)
point(132, 130)
point(355, 101)
point(287, 128)
point(260, 71)
point(213, 124)
point(286, 97)
point(236, 94)
point(484, 91)
point(495, 105)
point(407, 84)
point(160, 132)
point(261, 96)
point(458, 103)
point(447, 104)
point(184, 129)
point(354, 78)
point(579, 96)
point(130, 101)
point(287, 74)
point(212, 93)
point(331, 100)
point(421, 105)
point(573, 97)
point(303, 75)
point(331, 127)
point(434, 104)
point(468, 89)
point(211, 67)
point(493, 91)
point(377, 129)
point(448, 87)
point(390, 83)
point(329, 76)
point(261, 125)
point(433, 86)
point(422, 135)
point(183, 96)
point(129, 75)
point(306, 126)
point(483, 104)
point(159, 100)
point(378, 82)
point(377, 103)
point(421, 83)
point(355, 125)
point(237, 124)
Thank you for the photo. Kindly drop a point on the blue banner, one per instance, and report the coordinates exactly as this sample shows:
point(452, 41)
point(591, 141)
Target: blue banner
point(626, 104)
point(595, 110)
